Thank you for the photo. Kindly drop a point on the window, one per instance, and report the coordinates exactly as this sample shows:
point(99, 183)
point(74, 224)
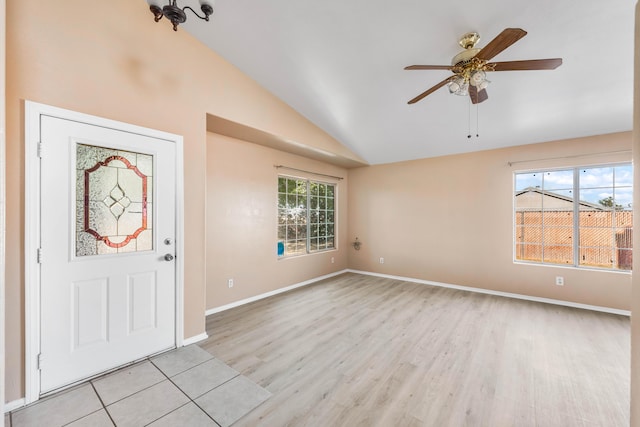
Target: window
point(306, 216)
point(581, 217)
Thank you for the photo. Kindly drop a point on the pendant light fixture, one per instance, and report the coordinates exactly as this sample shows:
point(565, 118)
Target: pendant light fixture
point(176, 14)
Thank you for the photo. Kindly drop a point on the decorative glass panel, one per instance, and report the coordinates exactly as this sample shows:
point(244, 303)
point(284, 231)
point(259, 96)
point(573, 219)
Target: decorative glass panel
point(114, 201)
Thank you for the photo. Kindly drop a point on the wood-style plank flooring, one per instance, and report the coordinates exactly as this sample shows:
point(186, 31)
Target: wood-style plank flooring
point(358, 350)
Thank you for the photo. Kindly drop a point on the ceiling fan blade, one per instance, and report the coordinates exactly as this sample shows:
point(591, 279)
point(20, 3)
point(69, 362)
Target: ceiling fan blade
point(477, 96)
point(429, 91)
point(428, 67)
point(532, 64)
point(502, 41)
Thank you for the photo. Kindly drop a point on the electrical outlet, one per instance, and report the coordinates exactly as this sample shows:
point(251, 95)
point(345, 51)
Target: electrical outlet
point(559, 280)
point(381, 260)
point(230, 283)
point(332, 260)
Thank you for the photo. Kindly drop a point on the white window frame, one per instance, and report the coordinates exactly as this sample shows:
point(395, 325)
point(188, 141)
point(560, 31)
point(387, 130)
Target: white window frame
point(576, 187)
point(308, 250)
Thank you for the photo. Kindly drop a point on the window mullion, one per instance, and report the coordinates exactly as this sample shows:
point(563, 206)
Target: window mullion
point(308, 217)
point(576, 217)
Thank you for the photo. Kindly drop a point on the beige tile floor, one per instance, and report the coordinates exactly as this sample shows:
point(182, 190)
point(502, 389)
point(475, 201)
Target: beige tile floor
point(184, 387)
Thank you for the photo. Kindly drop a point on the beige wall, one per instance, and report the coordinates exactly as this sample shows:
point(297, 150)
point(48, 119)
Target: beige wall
point(449, 219)
point(110, 59)
point(241, 221)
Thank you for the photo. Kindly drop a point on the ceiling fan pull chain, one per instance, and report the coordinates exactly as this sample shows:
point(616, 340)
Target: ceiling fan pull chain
point(469, 121)
point(477, 121)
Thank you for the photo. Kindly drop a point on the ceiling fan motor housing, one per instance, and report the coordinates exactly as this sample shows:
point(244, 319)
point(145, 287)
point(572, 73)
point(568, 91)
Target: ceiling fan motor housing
point(464, 57)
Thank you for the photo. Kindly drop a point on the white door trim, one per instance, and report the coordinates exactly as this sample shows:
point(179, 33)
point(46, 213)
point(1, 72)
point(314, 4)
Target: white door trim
point(33, 112)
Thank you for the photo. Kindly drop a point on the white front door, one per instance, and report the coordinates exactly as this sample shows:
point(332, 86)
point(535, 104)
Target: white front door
point(108, 230)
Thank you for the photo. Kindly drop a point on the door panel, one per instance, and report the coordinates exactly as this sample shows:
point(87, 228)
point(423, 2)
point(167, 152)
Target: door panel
point(90, 312)
point(107, 206)
point(143, 307)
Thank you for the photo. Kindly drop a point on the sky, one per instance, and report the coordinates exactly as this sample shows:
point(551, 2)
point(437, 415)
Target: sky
point(594, 183)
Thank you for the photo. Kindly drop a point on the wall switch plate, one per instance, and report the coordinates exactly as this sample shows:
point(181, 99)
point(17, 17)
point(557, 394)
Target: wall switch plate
point(381, 260)
point(332, 260)
point(559, 280)
point(230, 283)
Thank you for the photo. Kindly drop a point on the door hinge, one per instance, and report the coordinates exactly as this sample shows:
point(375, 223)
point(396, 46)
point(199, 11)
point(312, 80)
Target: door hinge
point(39, 256)
point(40, 149)
point(40, 361)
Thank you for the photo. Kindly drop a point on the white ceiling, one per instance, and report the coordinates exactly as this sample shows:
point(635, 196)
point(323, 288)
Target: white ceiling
point(340, 64)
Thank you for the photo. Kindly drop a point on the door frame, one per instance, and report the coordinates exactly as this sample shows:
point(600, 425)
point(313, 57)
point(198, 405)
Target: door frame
point(32, 227)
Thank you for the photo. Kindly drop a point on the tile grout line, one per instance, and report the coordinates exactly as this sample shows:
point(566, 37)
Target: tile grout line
point(182, 391)
point(102, 403)
point(134, 393)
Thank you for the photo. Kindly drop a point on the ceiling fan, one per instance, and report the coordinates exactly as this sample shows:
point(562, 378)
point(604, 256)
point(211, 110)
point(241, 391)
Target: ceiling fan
point(470, 66)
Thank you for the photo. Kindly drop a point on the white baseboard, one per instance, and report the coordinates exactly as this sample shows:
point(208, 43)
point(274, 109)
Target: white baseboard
point(498, 293)
point(12, 406)
point(272, 293)
point(195, 339)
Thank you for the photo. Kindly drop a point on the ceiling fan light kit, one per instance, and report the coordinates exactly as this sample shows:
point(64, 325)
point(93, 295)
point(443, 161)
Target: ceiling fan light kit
point(174, 13)
point(470, 66)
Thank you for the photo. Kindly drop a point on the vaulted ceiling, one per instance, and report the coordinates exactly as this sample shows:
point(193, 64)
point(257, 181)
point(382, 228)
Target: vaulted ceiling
point(340, 64)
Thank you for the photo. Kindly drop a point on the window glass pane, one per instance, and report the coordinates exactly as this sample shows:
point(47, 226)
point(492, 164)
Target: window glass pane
point(598, 218)
point(623, 176)
point(331, 190)
point(301, 247)
point(558, 254)
point(624, 238)
point(599, 198)
point(528, 180)
point(554, 236)
point(624, 198)
point(558, 180)
point(596, 177)
point(558, 218)
point(599, 257)
point(529, 234)
point(282, 200)
point(282, 216)
point(596, 236)
point(529, 252)
point(302, 232)
point(528, 200)
point(331, 242)
point(313, 217)
point(624, 259)
point(623, 219)
point(291, 185)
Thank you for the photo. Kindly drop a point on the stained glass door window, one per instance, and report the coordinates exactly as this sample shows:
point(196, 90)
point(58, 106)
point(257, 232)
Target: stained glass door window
point(114, 203)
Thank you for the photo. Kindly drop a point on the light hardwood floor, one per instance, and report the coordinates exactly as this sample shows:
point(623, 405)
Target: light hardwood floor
point(365, 351)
